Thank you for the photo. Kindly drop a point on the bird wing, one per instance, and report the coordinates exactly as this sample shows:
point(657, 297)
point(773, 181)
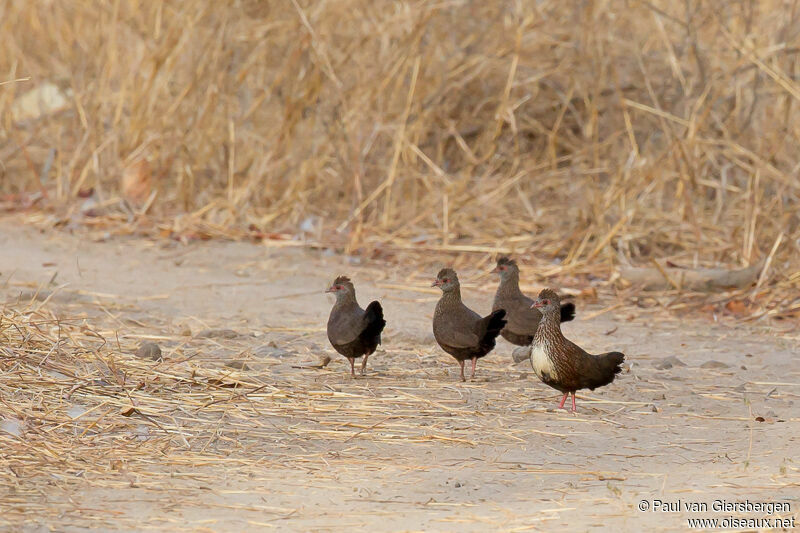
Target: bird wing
point(585, 363)
point(521, 318)
point(457, 338)
point(459, 330)
point(598, 370)
point(345, 326)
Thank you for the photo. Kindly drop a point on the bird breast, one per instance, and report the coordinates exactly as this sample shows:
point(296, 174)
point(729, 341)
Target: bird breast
point(542, 364)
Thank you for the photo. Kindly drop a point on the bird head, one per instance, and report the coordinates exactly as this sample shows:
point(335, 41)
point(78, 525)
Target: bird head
point(446, 279)
point(548, 302)
point(341, 287)
point(506, 268)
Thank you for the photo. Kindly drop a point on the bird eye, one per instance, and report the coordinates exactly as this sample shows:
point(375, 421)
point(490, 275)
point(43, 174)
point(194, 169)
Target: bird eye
point(546, 302)
point(446, 280)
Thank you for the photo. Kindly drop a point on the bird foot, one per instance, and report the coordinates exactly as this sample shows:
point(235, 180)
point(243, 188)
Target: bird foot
point(563, 399)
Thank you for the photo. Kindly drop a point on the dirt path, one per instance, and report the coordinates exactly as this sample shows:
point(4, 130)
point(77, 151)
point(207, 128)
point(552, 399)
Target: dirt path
point(409, 447)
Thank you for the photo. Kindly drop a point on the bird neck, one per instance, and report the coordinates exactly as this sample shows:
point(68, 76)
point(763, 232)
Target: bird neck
point(549, 330)
point(345, 300)
point(509, 284)
point(451, 297)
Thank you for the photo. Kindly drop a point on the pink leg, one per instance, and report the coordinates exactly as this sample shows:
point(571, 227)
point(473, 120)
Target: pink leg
point(474, 362)
point(462, 371)
point(573, 402)
point(352, 367)
point(564, 399)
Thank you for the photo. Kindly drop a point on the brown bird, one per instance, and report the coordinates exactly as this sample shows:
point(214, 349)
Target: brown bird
point(562, 364)
point(522, 318)
point(459, 330)
point(354, 332)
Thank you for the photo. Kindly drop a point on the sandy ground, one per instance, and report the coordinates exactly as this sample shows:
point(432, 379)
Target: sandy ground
point(437, 454)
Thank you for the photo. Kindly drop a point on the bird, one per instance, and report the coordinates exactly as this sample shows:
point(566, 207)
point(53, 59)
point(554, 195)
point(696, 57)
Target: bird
point(562, 364)
point(459, 330)
point(521, 317)
point(353, 332)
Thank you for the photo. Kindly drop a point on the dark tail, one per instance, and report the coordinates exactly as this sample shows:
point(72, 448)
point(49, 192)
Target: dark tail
point(608, 366)
point(493, 325)
point(567, 311)
point(375, 321)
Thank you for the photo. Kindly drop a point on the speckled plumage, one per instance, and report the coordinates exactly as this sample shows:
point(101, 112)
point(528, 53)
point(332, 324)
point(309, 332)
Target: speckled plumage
point(562, 364)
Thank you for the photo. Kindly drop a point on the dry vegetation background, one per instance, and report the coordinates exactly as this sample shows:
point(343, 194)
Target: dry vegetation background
point(582, 136)
point(591, 132)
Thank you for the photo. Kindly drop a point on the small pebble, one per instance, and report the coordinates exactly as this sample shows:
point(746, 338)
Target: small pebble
point(12, 426)
point(238, 364)
point(669, 362)
point(149, 350)
point(521, 353)
point(267, 350)
point(218, 334)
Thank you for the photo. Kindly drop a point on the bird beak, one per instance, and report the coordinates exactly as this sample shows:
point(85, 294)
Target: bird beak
point(329, 289)
point(537, 304)
point(436, 283)
point(495, 270)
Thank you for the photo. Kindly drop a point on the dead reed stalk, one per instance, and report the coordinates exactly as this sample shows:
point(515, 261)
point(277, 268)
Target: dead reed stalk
point(586, 132)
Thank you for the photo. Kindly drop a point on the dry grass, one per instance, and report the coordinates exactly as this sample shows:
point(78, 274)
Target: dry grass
point(587, 132)
point(80, 412)
point(82, 416)
point(94, 437)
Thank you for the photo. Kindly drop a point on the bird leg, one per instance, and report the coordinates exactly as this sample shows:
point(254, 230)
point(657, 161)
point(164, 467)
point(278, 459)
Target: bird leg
point(474, 362)
point(564, 399)
point(462, 371)
point(573, 402)
point(364, 366)
point(352, 366)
